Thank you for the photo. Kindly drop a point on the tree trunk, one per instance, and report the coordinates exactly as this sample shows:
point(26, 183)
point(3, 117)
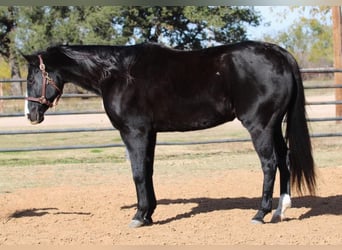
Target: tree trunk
point(16, 87)
point(1, 101)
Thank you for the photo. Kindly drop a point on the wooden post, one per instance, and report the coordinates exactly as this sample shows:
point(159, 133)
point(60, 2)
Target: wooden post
point(1, 101)
point(337, 30)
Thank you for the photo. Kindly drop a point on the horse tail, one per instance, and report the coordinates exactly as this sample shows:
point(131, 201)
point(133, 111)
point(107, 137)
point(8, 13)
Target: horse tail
point(297, 135)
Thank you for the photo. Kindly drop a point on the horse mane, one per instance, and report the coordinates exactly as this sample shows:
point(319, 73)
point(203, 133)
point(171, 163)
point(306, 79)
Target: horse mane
point(92, 61)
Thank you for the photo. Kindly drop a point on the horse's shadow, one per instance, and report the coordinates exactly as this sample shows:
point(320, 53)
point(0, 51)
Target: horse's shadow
point(317, 205)
point(38, 212)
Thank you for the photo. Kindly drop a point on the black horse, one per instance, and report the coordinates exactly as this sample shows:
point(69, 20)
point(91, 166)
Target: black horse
point(149, 88)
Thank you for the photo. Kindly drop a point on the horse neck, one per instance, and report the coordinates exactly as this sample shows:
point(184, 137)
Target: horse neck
point(82, 81)
point(89, 66)
point(80, 75)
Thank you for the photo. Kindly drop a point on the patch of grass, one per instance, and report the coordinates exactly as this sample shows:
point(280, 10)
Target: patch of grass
point(96, 151)
point(62, 157)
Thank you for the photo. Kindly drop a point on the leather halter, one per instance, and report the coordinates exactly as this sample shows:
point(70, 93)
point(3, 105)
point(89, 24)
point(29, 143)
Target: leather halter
point(46, 81)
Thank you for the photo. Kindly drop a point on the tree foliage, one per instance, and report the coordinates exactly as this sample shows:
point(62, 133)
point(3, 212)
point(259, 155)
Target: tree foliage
point(186, 27)
point(183, 27)
point(309, 39)
point(7, 24)
point(31, 28)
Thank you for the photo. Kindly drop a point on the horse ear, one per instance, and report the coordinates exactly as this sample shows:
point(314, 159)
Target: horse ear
point(31, 59)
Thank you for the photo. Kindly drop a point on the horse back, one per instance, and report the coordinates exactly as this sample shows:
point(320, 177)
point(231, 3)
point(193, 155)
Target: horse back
point(187, 90)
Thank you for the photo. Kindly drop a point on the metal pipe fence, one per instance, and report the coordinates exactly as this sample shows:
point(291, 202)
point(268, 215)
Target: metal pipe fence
point(76, 130)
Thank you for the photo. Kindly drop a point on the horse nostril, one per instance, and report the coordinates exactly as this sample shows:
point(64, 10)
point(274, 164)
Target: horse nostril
point(35, 117)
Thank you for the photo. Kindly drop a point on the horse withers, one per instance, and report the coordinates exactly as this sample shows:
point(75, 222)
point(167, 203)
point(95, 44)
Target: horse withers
point(149, 88)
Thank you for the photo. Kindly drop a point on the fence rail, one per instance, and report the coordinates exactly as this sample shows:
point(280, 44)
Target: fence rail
point(76, 130)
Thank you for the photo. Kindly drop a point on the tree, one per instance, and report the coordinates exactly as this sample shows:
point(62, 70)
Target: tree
point(8, 50)
point(186, 27)
point(309, 39)
point(33, 28)
point(7, 25)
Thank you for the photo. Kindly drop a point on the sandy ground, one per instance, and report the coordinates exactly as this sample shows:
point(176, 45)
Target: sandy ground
point(203, 209)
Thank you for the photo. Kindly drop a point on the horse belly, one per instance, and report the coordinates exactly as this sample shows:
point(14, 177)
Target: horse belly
point(188, 117)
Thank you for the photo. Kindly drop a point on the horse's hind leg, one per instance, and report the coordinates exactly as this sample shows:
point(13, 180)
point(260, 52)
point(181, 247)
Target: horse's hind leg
point(264, 145)
point(141, 145)
point(283, 165)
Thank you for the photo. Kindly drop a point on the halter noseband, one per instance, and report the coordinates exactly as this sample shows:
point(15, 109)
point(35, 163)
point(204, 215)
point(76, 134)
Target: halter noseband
point(46, 81)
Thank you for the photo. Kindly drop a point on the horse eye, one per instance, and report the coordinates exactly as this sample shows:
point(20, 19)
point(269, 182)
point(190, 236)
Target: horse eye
point(31, 82)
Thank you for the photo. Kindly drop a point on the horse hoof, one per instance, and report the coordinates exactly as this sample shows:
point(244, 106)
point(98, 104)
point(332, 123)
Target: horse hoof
point(257, 222)
point(276, 219)
point(136, 224)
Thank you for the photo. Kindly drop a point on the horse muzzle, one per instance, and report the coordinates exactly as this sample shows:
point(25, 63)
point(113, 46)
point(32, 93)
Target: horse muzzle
point(35, 118)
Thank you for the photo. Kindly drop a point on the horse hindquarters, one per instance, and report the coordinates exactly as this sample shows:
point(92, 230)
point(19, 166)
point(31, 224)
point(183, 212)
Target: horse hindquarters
point(262, 97)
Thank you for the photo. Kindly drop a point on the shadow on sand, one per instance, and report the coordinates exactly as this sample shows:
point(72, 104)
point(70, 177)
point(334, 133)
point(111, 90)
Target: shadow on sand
point(37, 212)
point(317, 205)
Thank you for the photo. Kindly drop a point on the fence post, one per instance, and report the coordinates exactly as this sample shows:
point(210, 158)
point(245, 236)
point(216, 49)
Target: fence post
point(337, 33)
point(1, 101)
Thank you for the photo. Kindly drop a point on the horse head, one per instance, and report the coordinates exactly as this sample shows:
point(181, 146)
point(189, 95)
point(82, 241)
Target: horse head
point(44, 87)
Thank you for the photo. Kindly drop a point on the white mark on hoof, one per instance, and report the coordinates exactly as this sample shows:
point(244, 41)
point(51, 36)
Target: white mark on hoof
point(284, 203)
point(258, 222)
point(136, 224)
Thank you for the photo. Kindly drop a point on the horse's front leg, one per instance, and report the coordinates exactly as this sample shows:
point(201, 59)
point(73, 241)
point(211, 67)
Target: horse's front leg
point(140, 145)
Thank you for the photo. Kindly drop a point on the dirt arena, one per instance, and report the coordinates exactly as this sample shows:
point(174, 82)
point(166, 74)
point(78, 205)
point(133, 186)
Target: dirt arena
point(207, 208)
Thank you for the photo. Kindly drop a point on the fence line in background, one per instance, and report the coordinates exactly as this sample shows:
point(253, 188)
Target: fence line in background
point(76, 130)
point(338, 102)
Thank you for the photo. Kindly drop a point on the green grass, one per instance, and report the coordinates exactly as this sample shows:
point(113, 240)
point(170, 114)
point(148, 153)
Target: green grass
point(102, 167)
point(79, 156)
point(96, 151)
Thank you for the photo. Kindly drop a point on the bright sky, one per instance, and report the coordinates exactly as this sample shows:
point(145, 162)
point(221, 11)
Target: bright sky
point(270, 22)
point(273, 22)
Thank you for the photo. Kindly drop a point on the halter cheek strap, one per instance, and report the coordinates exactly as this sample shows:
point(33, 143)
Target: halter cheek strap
point(46, 81)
